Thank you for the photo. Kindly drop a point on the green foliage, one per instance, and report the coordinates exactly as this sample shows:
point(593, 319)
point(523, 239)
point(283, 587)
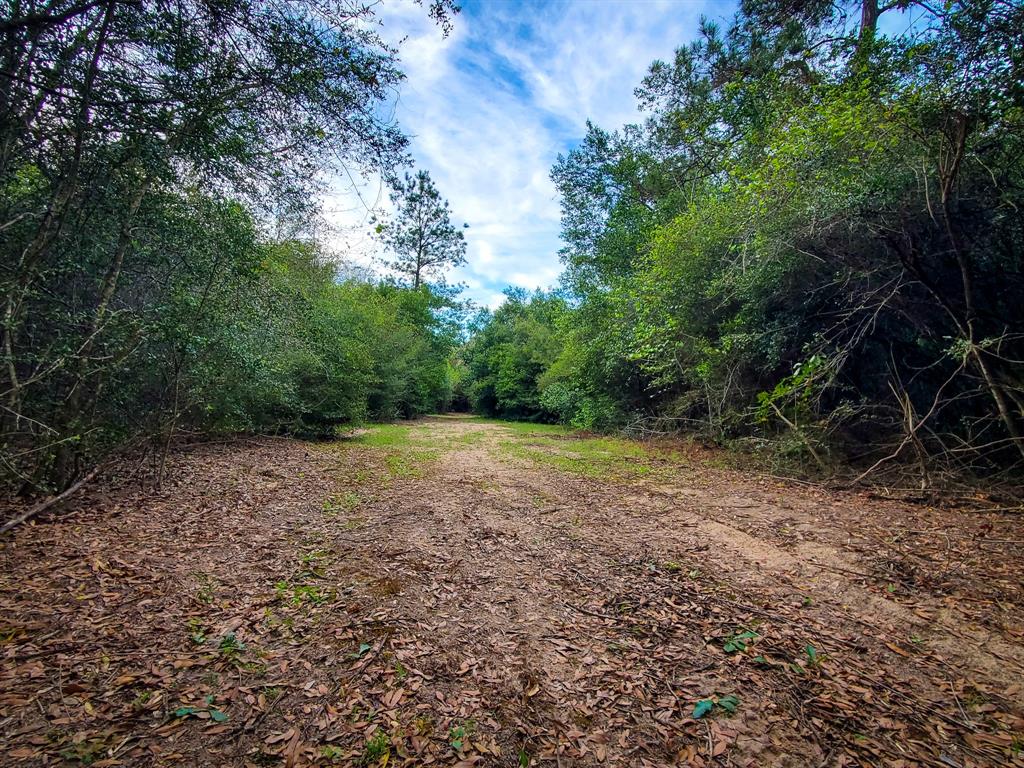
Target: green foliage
point(205, 712)
point(509, 353)
point(421, 236)
point(142, 291)
point(811, 238)
point(378, 747)
point(705, 707)
point(740, 642)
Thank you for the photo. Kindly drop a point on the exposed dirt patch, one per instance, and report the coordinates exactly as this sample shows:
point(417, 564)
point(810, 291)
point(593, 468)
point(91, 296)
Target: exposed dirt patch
point(457, 593)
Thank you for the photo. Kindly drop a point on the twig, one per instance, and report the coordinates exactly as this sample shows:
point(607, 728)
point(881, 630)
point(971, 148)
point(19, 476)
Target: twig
point(45, 505)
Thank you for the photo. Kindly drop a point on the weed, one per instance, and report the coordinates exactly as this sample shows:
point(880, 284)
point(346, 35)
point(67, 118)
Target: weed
point(230, 647)
point(272, 692)
point(599, 457)
point(458, 734)
point(302, 593)
point(312, 564)
point(196, 631)
point(332, 753)
point(813, 657)
point(86, 752)
point(740, 642)
point(206, 712)
point(206, 590)
point(343, 503)
point(377, 748)
point(705, 707)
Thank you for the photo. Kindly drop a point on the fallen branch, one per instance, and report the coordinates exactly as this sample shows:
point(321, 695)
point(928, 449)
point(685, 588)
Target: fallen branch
point(52, 502)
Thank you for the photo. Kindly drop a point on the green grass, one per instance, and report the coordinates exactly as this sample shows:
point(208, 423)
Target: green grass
point(407, 448)
point(390, 436)
point(533, 428)
point(600, 457)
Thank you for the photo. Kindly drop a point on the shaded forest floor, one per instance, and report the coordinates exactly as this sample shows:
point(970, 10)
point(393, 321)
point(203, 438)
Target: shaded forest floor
point(461, 592)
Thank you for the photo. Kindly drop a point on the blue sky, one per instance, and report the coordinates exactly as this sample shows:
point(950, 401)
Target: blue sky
point(490, 108)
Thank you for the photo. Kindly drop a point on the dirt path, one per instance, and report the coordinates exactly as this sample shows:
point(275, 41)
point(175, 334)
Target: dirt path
point(464, 592)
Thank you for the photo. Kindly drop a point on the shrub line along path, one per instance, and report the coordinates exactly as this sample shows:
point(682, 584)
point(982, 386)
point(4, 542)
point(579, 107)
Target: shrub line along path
point(463, 592)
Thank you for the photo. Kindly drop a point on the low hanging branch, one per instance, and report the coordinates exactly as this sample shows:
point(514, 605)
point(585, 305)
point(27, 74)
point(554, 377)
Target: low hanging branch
point(49, 503)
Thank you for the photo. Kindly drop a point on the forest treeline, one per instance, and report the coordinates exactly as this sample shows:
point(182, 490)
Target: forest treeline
point(814, 238)
point(160, 165)
point(811, 241)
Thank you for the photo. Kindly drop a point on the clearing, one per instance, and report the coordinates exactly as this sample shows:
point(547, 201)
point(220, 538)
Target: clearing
point(462, 592)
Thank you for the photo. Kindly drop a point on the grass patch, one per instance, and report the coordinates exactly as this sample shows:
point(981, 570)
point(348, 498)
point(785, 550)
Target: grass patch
point(533, 428)
point(390, 436)
point(408, 448)
point(600, 457)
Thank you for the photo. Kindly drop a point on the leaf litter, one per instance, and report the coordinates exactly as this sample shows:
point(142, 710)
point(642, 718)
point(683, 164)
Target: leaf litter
point(487, 609)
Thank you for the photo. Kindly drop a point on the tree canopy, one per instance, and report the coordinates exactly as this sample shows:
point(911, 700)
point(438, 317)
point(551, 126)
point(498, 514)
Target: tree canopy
point(148, 151)
point(813, 236)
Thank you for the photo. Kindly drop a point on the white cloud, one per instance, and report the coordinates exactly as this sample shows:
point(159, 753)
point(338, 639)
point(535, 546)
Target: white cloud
point(490, 108)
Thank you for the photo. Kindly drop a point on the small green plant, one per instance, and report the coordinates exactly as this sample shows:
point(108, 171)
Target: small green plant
point(230, 647)
point(332, 753)
point(312, 564)
point(740, 642)
point(86, 752)
point(196, 631)
point(205, 592)
point(208, 711)
point(377, 748)
point(364, 648)
point(813, 659)
point(705, 707)
point(309, 593)
point(302, 593)
point(458, 734)
point(344, 503)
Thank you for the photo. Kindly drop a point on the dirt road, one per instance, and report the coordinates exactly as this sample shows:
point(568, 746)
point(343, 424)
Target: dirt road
point(461, 592)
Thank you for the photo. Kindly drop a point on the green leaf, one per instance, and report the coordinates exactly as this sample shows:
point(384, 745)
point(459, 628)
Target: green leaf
point(812, 654)
point(363, 648)
point(703, 707)
point(739, 642)
point(729, 703)
point(217, 716)
point(524, 759)
point(185, 712)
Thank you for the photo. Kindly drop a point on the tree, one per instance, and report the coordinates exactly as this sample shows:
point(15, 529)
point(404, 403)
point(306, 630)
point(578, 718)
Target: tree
point(143, 148)
point(813, 236)
point(421, 235)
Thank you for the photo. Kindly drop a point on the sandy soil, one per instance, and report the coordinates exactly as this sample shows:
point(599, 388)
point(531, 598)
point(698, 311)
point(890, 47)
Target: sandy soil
point(454, 597)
